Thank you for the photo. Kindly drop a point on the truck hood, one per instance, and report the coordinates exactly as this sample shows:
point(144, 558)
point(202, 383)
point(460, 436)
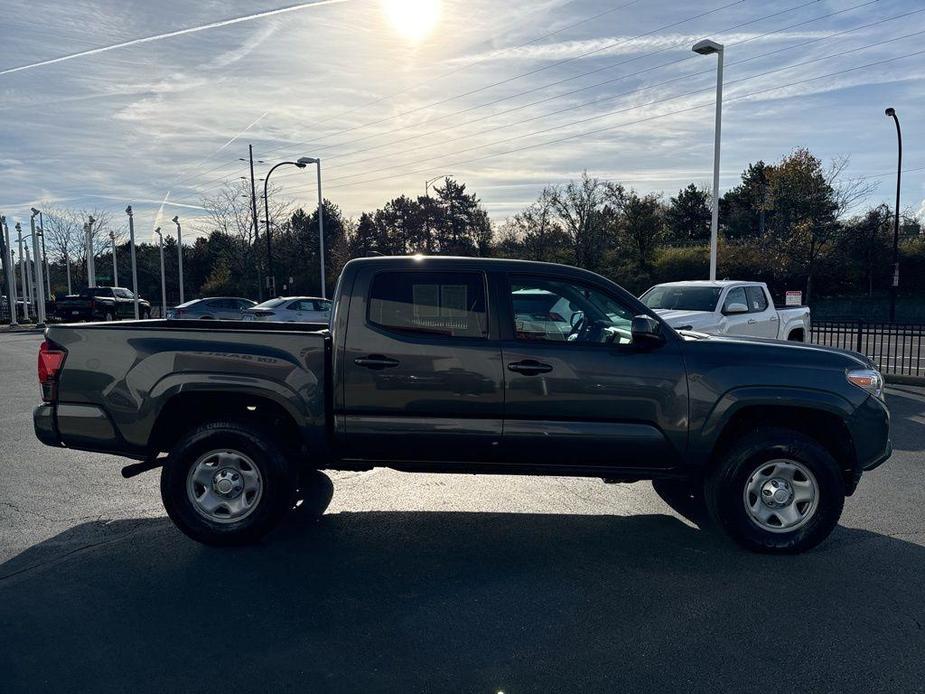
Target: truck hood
point(677, 318)
point(860, 360)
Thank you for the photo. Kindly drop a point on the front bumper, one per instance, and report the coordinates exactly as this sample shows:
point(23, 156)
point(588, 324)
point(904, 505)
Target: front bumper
point(870, 432)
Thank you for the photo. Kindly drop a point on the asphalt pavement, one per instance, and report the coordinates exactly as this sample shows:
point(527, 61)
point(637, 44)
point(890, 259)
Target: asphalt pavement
point(445, 583)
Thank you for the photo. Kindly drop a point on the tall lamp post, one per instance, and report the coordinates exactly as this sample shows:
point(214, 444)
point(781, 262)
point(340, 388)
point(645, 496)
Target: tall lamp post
point(44, 254)
point(271, 278)
point(304, 161)
point(708, 47)
point(891, 113)
point(91, 262)
point(131, 240)
point(22, 274)
point(37, 268)
point(163, 280)
point(115, 262)
point(8, 269)
point(176, 220)
point(250, 158)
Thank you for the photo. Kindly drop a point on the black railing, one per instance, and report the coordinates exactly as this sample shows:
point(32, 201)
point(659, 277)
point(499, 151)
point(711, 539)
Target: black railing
point(896, 348)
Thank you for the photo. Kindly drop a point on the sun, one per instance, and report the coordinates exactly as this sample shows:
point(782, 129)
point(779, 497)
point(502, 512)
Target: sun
point(413, 19)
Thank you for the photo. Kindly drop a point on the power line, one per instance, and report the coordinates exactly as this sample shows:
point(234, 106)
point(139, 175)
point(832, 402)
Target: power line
point(651, 103)
point(593, 101)
point(528, 73)
point(636, 122)
point(606, 67)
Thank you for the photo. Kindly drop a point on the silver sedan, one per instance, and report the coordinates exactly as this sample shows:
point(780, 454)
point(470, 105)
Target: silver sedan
point(292, 309)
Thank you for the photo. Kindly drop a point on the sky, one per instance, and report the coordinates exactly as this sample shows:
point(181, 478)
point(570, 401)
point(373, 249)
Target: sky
point(110, 103)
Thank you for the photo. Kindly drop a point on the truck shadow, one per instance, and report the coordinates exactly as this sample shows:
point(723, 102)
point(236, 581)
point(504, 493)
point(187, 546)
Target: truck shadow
point(488, 602)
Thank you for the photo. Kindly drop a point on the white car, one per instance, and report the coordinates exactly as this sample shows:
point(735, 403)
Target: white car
point(292, 309)
point(727, 307)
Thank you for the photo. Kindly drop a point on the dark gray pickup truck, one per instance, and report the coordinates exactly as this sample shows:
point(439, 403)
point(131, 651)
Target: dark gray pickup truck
point(475, 366)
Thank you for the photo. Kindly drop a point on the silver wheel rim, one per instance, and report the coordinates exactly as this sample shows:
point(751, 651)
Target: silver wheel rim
point(781, 496)
point(224, 486)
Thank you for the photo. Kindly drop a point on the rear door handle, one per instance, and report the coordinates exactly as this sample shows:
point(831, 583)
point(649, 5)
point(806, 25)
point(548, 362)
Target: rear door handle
point(376, 362)
point(752, 321)
point(529, 367)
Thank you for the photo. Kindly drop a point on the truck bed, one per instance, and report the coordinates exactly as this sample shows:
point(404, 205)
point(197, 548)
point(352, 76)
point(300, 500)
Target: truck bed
point(119, 376)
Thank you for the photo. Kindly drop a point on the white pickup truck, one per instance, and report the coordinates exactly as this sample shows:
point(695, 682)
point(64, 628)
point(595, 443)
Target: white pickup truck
point(727, 307)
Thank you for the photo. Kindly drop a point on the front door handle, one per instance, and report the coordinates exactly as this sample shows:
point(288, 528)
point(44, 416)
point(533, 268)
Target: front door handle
point(752, 321)
point(529, 367)
point(376, 362)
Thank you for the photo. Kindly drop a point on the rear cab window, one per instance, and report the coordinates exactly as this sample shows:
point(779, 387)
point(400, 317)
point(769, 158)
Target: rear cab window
point(448, 304)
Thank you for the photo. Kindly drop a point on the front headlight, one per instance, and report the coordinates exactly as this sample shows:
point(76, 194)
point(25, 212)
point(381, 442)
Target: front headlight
point(869, 379)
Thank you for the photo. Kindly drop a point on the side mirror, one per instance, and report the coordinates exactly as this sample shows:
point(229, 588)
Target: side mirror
point(645, 329)
point(735, 308)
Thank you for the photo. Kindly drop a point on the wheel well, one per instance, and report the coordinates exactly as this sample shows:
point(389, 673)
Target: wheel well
point(797, 335)
point(188, 410)
point(826, 428)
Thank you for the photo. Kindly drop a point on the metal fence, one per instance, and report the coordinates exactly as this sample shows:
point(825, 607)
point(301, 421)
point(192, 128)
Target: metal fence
point(896, 348)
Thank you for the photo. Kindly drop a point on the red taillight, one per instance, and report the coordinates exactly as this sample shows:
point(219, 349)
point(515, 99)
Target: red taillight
point(51, 359)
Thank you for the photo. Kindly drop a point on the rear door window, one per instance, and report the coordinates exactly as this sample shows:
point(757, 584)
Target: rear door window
point(451, 304)
point(757, 301)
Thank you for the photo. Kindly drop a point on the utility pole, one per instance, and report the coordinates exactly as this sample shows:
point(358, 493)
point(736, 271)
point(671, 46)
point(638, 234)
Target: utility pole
point(163, 280)
point(37, 267)
point(115, 262)
point(91, 262)
point(176, 220)
point(131, 240)
point(8, 270)
point(250, 154)
point(894, 287)
point(321, 231)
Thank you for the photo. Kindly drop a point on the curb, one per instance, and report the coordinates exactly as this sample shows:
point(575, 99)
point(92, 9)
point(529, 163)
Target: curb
point(900, 379)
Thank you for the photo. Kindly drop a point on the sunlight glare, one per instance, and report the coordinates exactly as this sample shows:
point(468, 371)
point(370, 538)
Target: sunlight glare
point(413, 19)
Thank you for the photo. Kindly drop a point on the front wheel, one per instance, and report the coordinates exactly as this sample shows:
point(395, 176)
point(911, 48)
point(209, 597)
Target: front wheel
point(227, 483)
point(776, 490)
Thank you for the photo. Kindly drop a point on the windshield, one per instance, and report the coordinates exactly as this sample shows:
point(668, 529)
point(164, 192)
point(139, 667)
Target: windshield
point(681, 298)
point(272, 303)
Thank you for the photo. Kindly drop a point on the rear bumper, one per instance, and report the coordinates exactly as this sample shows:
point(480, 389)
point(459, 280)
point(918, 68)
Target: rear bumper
point(80, 426)
point(46, 429)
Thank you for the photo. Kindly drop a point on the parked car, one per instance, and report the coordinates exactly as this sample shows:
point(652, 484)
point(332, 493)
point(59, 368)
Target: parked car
point(727, 307)
point(100, 303)
point(289, 309)
point(211, 308)
point(425, 368)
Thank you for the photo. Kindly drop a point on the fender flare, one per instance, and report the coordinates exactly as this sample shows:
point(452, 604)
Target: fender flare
point(737, 399)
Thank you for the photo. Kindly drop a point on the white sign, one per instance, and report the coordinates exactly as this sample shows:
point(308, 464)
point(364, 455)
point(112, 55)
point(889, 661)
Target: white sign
point(794, 298)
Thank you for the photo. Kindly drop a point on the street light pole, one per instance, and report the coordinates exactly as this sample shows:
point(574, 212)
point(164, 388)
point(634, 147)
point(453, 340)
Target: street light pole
point(22, 274)
point(304, 161)
point(115, 262)
point(891, 113)
point(131, 240)
point(176, 220)
point(8, 271)
point(44, 254)
point(163, 280)
point(91, 262)
point(708, 47)
point(37, 268)
point(271, 278)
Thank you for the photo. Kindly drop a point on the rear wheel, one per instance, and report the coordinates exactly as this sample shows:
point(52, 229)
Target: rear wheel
point(776, 490)
point(108, 316)
point(227, 483)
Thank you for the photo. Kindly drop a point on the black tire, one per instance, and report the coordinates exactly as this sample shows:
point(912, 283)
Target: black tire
point(278, 483)
point(108, 317)
point(145, 314)
point(725, 489)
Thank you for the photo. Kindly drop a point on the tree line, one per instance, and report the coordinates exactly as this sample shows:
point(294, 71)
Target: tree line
point(795, 224)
